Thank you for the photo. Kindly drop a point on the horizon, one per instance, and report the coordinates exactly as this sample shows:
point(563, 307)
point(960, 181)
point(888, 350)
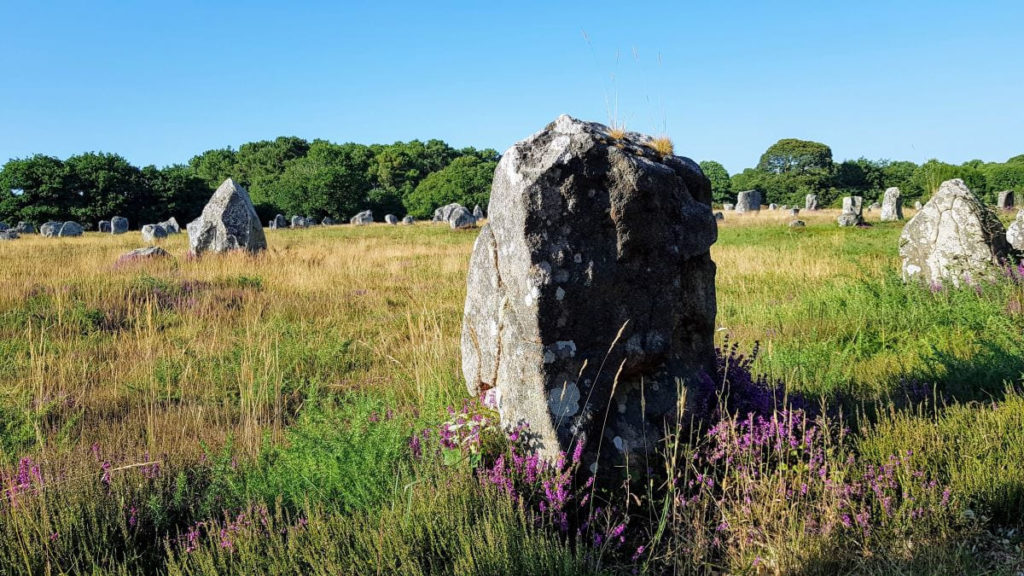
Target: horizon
point(153, 84)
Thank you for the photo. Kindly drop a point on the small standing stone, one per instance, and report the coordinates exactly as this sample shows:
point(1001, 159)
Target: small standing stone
point(1015, 233)
point(25, 228)
point(478, 212)
point(153, 232)
point(170, 226)
point(892, 205)
point(748, 201)
point(364, 217)
point(794, 211)
point(327, 221)
point(104, 226)
point(772, 206)
point(298, 222)
point(811, 202)
point(391, 219)
point(917, 205)
point(118, 225)
point(461, 218)
point(408, 220)
point(142, 254)
point(727, 206)
point(719, 216)
point(444, 213)
point(853, 211)
point(279, 222)
point(8, 235)
point(797, 224)
point(1006, 200)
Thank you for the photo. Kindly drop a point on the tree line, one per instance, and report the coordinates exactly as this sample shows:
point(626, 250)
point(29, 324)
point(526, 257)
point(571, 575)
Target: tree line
point(287, 175)
point(791, 168)
point(293, 176)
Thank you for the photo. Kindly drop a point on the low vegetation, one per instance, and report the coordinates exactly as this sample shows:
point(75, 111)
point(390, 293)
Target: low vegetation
point(302, 411)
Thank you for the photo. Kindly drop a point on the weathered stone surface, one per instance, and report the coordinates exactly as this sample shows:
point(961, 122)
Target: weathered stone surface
point(596, 254)
point(279, 222)
point(171, 226)
point(773, 206)
point(328, 221)
point(142, 254)
point(444, 213)
point(727, 206)
point(50, 229)
point(917, 205)
point(25, 228)
point(478, 213)
point(408, 220)
point(461, 219)
point(797, 223)
point(298, 222)
point(364, 217)
point(1015, 233)
point(391, 219)
point(118, 225)
point(4, 227)
point(853, 211)
point(748, 201)
point(153, 232)
point(794, 211)
point(70, 229)
point(104, 226)
point(228, 222)
point(719, 216)
point(874, 206)
point(1006, 200)
point(811, 202)
point(892, 205)
point(955, 238)
point(9, 235)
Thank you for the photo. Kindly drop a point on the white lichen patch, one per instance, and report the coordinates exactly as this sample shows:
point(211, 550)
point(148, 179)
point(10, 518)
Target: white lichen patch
point(564, 401)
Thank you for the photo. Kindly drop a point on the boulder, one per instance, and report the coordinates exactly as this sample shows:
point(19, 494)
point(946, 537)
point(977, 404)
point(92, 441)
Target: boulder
point(25, 228)
point(70, 229)
point(443, 213)
point(4, 227)
point(596, 254)
point(917, 205)
point(954, 237)
point(874, 206)
point(9, 235)
point(1015, 233)
point(153, 232)
point(228, 222)
point(892, 205)
point(279, 222)
point(104, 226)
point(391, 219)
point(327, 221)
point(719, 216)
point(408, 220)
point(141, 254)
point(748, 201)
point(1006, 200)
point(794, 211)
point(171, 226)
point(773, 207)
point(364, 217)
point(50, 229)
point(298, 222)
point(478, 213)
point(811, 202)
point(118, 225)
point(797, 224)
point(727, 206)
point(461, 218)
point(853, 211)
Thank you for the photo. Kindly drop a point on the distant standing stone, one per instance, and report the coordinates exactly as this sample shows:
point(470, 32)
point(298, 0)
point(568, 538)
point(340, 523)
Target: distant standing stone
point(142, 254)
point(391, 219)
point(853, 211)
point(478, 213)
point(118, 225)
point(1015, 233)
point(228, 222)
point(797, 224)
point(773, 207)
point(719, 216)
point(153, 232)
point(279, 222)
point(50, 229)
point(328, 221)
point(794, 211)
point(727, 206)
point(70, 229)
point(461, 218)
point(364, 217)
point(4, 227)
point(298, 222)
point(954, 237)
point(104, 226)
point(811, 202)
point(892, 205)
point(171, 226)
point(1006, 200)
point(874, 206)
point(25, 228)
point(748, 201)
point(9, 235)
point(443, 214)
point(917, 205)
point(408, 220)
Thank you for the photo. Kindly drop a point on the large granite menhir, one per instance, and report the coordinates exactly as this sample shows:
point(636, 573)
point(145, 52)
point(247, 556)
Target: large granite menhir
point(228, 222)
point(595, 262)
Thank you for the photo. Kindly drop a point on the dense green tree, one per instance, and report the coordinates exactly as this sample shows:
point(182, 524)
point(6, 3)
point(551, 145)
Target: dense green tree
point(260, 164)
point(1016, 159)
point(322, 183)
point(1009, 176)
point(35, 189)
point(215, 166)
point(177, 191)
point(721, 185)
point(930, 175)
point(467, 180)
point(108, 185)
point(792, 168)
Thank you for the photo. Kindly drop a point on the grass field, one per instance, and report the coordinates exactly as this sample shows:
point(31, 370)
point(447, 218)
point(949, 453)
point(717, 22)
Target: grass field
point(253, 415)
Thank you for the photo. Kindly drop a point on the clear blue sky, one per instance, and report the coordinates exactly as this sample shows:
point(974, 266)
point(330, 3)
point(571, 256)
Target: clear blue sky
point(158, 83)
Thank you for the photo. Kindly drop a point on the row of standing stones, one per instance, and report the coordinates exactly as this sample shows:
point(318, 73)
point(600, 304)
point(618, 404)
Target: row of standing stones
point(455, 215)
point(590, 302)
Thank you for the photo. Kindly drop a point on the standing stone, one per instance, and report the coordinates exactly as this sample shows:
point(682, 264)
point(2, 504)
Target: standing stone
point(853, 211)
point(892, 205)
point(364, 217)
point(25, 228)
point(917, 205)
point(391, 219)
point(4, 227)
point(874, 206)
point(1006, 200)
point(728, 206)
point(141, 254)
point(118, 225)
point(748, 201)
point(461, 218)
point(811, 202)
point(104, 226)
point(719, 216)
point(443, 214)
point(70, 229)
point(328, 221)
point(408, 220)
point(50, 229)
point(298, 222)
point(596, 254)
point(228, 222)
point(773, 207)
point(9, 235)
point(153, 232)
point(797, 224)
point(279, 222)
point(954, 237)
point(171, 226)
point(1015, 233)
point(794, 211)
point(478, 213)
